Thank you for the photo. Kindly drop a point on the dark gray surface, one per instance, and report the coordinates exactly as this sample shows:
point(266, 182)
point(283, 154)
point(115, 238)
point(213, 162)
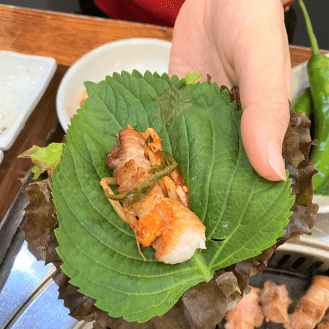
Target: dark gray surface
point(318, 11)
point(70, 6)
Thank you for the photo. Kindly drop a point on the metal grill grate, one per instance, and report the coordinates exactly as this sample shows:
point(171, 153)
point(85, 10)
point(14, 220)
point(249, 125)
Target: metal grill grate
point(308, 257)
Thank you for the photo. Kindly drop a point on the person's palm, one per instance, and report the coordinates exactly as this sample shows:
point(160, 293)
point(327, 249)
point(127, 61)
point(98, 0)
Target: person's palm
point(242, 43)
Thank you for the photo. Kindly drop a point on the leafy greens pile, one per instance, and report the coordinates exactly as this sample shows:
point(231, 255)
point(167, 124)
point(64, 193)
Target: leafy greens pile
point(246, 216)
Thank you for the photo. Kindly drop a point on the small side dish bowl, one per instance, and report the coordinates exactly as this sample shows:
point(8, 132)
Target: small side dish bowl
point(129, 54)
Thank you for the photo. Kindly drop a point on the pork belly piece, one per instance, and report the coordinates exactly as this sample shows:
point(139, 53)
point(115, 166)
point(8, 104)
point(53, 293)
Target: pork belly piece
point(181, 237)
point(247, 314)
point(275, 302)
point(311, 308)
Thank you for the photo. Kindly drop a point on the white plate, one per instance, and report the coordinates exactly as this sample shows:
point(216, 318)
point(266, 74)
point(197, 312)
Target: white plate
point(1, 156)
point(23, 81)
point(299, 81)
point(129, 54)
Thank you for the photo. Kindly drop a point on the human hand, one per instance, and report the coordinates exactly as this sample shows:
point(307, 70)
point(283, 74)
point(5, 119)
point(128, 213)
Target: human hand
point(242, 43)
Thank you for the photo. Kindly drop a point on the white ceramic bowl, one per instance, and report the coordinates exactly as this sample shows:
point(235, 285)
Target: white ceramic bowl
point(129, 54)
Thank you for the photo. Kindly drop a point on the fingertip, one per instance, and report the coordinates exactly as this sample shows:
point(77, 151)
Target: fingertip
point(268, 166)
point(275, 160)
point(262, 136)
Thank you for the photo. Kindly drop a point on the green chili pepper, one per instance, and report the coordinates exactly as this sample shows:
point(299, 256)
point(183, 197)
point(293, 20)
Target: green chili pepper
point(141, 190)
point(157, 168)
point(318, 74)
point(303, 102)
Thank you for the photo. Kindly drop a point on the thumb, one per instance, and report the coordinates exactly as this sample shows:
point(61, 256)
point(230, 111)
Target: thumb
point(263, 69)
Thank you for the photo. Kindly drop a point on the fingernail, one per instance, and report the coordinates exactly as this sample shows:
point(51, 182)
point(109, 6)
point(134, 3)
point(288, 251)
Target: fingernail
point(275, 159)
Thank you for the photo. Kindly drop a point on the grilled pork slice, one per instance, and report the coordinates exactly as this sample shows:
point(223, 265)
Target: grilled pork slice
point(182, 235)
point(247, 314)
point(275, 302)
point(311, 308)
point(169, 226)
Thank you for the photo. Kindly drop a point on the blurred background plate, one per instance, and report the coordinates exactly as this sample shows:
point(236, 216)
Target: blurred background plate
point(23, 81)
point(129, 54)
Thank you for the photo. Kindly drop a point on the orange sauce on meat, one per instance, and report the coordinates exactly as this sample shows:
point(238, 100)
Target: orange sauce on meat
point(155, 223)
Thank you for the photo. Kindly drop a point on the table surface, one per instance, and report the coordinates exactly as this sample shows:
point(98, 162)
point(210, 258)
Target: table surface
point(65, 38)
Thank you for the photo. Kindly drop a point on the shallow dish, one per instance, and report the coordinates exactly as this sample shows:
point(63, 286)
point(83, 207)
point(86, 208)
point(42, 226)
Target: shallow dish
point(23, 81)
point(129, 54)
